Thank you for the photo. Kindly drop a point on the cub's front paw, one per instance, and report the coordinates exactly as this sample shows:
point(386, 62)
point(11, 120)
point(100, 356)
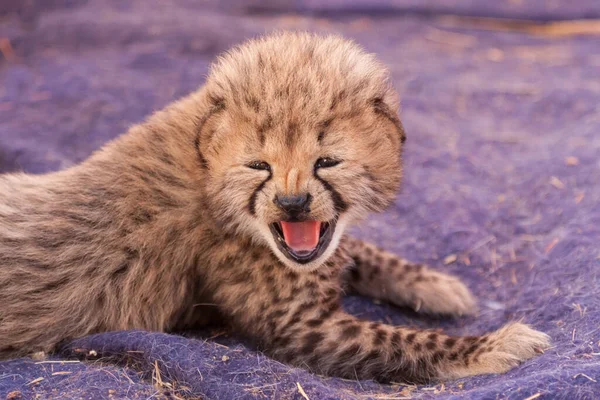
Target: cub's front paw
point(519, 340)
point(434, 292)
point(500, 351)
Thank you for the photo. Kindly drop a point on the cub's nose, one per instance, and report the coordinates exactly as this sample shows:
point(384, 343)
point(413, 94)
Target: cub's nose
point(295, 204)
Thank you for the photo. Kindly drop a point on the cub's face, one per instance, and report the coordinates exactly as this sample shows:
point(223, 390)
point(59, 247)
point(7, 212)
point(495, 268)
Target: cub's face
point(301, 139)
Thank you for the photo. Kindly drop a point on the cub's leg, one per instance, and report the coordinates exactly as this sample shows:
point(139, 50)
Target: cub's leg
point(296, 317)
point(382, 275)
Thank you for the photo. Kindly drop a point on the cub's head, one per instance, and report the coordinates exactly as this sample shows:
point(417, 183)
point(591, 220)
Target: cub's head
point(301, 139)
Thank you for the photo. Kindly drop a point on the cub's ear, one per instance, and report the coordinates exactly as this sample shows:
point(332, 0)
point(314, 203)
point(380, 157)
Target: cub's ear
point(386, 109)
point(205, 129)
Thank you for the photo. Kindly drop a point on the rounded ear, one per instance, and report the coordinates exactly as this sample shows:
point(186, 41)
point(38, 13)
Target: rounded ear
point(204, 133)
point(385, 110)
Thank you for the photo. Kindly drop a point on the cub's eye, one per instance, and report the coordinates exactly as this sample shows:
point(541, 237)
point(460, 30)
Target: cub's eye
point(261, 165)
point(326, 162)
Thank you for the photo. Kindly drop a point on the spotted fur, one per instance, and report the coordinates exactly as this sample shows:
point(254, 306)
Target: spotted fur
point(166, 227)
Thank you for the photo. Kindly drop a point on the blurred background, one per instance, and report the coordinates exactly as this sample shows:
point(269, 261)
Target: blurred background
point(501, 103)
point(88, 69)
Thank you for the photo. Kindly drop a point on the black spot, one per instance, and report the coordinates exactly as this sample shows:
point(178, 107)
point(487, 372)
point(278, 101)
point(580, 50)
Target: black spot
point(437, 357)
point(325, 124)
point(449, 343)
point(311, 285)
point(253, 103)
point(374, 272)
point(333, 307)
point(342, 94)
point(292, 275)
point(131, 253)
point(295, 291)
point(292, 134)
point(311, 341)
point(380, 338)
point(410, 338)
point(297, 318)
point(216, 101)
point(272, 326)
point(275, 315)
point(270, 281)
point(322, 127)
point(101, 299)
point(354, 273)
point(282, 341)
point(470, 350)
point(350, 332)
point(333, 104)
point(120, 271)
point(275, 298)
point(165, 158)
point(315, 322)
point(267, 268)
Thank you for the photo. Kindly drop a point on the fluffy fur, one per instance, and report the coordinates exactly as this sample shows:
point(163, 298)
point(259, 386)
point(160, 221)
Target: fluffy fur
point(167, 227)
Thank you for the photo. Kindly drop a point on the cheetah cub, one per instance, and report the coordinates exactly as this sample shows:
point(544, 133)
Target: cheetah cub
point(238, 196)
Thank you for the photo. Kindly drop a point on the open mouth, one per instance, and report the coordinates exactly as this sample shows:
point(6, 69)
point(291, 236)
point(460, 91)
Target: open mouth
point(303, 241)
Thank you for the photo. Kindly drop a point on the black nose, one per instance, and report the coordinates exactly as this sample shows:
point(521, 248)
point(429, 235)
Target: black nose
point(295, 204)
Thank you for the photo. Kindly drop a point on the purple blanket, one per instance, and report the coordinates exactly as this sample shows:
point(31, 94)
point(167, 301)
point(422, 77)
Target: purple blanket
point(502, 183)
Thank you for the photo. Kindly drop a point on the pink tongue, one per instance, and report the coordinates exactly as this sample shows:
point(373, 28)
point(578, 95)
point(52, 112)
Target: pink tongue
point(301, 236)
